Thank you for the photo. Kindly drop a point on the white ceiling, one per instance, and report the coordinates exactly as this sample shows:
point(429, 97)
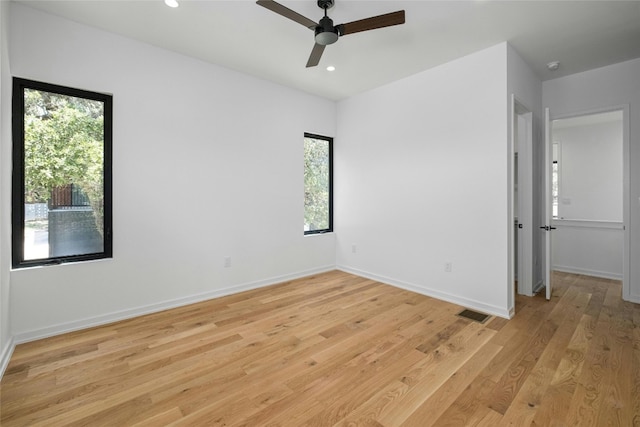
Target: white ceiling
point(243, 36)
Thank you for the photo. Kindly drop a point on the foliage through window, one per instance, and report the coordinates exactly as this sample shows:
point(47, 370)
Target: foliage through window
point(61, 174)
point(318, 184)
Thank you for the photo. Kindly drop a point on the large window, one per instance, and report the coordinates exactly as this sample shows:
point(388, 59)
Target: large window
point(61, 202)
point(318, 184)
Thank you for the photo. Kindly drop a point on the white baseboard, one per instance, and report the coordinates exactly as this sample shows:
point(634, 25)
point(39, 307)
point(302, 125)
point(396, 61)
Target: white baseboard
point(5, 356)
point(587, 272)
point(455, 299)
point(632, 298)
point(90, 322)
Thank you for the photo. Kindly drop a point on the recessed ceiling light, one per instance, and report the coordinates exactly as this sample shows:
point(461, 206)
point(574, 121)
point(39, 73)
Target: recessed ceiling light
point(331, 68)
point(171, 3)
point(554, 65)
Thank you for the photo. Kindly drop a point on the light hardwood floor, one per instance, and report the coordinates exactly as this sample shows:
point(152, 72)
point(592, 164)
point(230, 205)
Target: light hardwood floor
point(336, 349)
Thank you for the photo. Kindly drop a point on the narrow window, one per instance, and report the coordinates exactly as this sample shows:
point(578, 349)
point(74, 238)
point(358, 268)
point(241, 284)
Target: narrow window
point(554, 188)
point(61, 201)
point(318, 184)
point(555, 179)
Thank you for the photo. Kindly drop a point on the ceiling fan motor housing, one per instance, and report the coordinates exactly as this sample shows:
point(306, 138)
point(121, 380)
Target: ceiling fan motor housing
point(326, 33)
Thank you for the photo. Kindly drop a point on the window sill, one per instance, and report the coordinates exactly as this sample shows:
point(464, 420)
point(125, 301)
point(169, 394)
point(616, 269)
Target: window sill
point(60, 264)
point(324, 233)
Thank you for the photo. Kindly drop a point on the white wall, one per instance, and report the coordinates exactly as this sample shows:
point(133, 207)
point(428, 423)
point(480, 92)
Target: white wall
point(590, 171)
point(601, 88)
point(421, 168)
point(207, 164)
point(593, 248)
point(6, 341)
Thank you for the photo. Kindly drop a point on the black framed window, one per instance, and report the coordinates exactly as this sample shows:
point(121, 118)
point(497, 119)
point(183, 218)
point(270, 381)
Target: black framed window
point(554, 188)
point(318, 184)
point(61, 201)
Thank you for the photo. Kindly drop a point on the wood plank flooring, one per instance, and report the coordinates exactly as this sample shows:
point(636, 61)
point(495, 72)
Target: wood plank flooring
point(341, 350)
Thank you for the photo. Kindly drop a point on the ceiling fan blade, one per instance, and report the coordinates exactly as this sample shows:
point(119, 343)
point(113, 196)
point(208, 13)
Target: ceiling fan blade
point(287, 13)
point(380, 21)
point(316, 54)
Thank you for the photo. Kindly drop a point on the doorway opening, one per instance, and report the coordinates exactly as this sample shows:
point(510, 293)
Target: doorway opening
point(522, 242)
point(588, 181)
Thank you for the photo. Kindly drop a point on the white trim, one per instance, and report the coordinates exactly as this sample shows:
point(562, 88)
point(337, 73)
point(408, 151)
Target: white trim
point(585, 223)
point(5, 356)
point(633, 298)
point(548, 201)
point(522, 261)
point(512, 203)
point(587, 272)
point(454, 299)
point(626, 203)
point(90, 322)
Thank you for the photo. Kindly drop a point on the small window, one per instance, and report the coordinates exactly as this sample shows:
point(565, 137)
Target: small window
point(318, 184)
point(554, 188)
point(61, 202)
point(555, 180)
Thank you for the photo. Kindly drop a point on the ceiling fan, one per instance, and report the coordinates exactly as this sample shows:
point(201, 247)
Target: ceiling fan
point(325, 32)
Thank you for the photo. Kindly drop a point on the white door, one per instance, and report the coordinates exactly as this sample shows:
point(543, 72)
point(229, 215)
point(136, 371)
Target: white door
point(523, 126)
point(548, 201)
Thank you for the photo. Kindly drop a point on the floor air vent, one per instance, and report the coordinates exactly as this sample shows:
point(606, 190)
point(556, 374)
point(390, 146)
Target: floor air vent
point(474, 315)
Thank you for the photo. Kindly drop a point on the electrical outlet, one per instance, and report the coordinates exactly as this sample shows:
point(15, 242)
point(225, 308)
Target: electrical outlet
point(227, 261)
point(354, 249)
point(448, 266)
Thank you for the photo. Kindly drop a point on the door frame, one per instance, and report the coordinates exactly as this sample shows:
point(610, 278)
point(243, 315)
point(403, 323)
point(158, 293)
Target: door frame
point(525, 259)
point(626, 195)
point(548, 202)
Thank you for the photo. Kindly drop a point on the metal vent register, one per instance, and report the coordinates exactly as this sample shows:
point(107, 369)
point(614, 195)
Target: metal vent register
point(474, 315)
